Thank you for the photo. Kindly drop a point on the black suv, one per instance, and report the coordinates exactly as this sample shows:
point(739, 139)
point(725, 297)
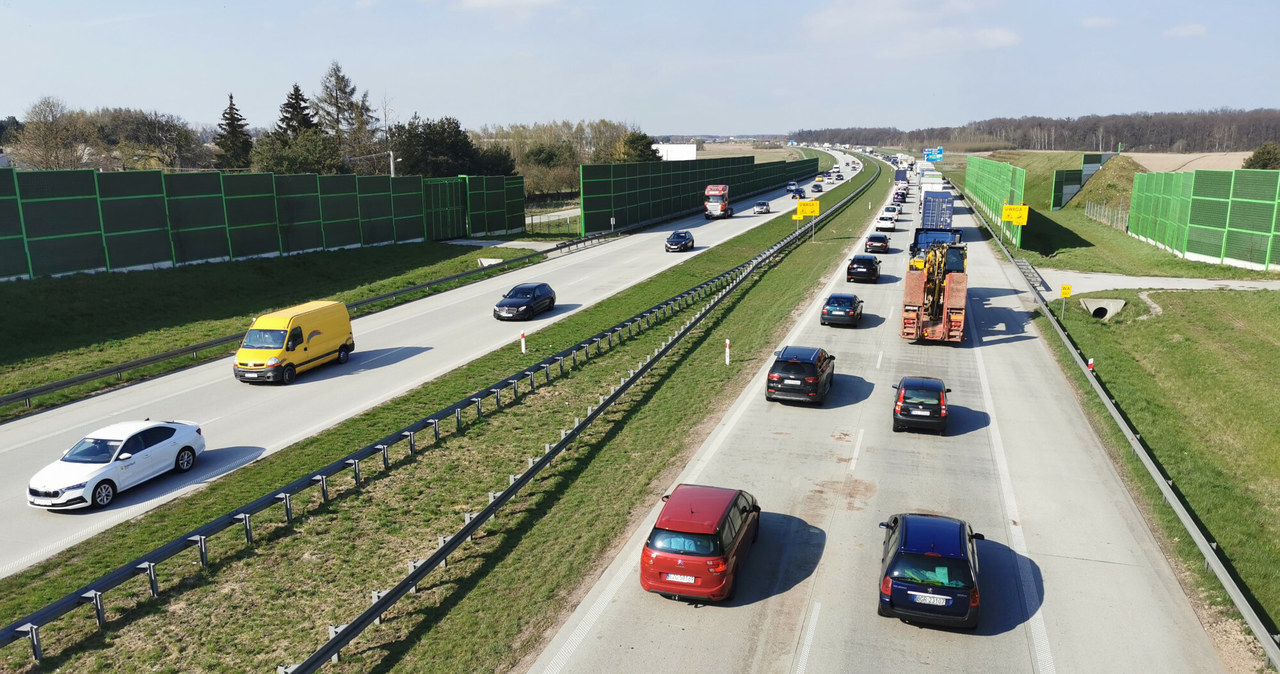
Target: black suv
point(929, 570)
point(680, 241)
point(863, 268)
point(801, 373)
point(921, 403)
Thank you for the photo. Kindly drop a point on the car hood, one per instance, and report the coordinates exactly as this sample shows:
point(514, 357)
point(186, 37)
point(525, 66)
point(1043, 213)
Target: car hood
point(60, 474)
point(514, 301)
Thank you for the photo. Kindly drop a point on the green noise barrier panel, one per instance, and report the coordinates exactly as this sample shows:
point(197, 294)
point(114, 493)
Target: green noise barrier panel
point(990, 185)
point(58, 222)
point(615, 196)
point(1067, 183)
point(1226, 217)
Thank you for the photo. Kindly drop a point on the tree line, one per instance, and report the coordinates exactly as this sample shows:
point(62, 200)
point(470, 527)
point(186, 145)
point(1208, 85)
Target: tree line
point(336, 130)
point(1223, 130)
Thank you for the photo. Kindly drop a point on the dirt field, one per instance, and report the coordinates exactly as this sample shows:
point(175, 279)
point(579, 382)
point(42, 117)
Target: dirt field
point(712, 150)
point(1160, 162)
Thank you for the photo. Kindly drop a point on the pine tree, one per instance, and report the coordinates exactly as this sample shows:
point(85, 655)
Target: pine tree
point(295, 114)
point(232, 139)
point(334, 106)
point(1267, 156)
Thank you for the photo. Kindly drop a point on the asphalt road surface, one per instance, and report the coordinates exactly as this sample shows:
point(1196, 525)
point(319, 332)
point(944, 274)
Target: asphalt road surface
point(396, 351)
point(1071, 579)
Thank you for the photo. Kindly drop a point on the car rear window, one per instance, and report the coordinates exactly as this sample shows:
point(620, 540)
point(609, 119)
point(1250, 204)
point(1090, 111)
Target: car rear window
point(790, 369)
point(839, 302)
point(930, 570)
point(921, 396)
point(678, 542)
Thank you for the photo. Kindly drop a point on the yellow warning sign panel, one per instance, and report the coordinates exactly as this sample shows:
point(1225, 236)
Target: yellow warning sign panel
point(1066, 291)
point(809, 208)
point(1015, 215)
point(797, 216)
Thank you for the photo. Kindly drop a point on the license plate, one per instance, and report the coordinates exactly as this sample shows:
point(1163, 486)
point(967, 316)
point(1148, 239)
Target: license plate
point(923, 413)
point(837, 313)
point(930, 599)
point(250, 375)
point(791, 382)
point(42, 501)
point(676, 578)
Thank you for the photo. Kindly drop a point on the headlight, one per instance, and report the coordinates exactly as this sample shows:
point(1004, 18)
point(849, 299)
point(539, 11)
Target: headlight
point(75, 486)
point(523, 308)
point(273, 361)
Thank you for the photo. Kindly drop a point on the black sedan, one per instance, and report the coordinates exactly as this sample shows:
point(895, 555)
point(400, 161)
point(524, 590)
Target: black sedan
point(817, 187)
point(877, 243)
point(841, 309)
point(525, 301)
point(863, 268)
point(798, 193)
point(680, 241)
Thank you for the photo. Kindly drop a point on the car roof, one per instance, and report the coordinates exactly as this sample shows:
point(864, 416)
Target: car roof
point(680, 232)
point(529, 286)
point(804, 354)
point(878, 236)
point(863, 258)
point(924, 533)
point(695, 508)
point(927, 383)
point(842, 296)
point(762, 201)
point(122, 430)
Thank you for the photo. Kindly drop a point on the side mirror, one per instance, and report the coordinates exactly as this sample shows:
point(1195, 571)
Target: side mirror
point(665, 497)
point(125, 456)
point(977, 536)
point(948, 391)
point(884, 525)
point(755, 508)
point(895, 386)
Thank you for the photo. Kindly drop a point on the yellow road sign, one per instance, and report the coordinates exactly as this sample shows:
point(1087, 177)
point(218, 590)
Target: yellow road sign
point(1066, 291)
point(1015, 215)
point(797, 216)
point(807, 208)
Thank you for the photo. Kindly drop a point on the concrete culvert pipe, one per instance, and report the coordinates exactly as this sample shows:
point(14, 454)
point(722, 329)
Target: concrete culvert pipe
point(1102, 309)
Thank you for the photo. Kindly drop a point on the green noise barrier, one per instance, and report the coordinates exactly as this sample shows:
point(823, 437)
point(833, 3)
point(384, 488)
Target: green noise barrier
point(60, 222)
point(990, 185)
point(1223, 217)
point(1066, 184)
point(615, 196)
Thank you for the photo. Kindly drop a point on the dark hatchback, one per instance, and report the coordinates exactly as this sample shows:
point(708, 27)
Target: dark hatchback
point(877, 243)
point(841, 309)
point(900, 197)
point(929, 570)
point(525, 301)
point(921, 403)
point(863, 268)
point(680, 241)
point(801, 373)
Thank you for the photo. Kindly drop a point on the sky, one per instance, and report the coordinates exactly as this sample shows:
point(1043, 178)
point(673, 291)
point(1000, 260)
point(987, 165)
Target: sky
point(711, 67)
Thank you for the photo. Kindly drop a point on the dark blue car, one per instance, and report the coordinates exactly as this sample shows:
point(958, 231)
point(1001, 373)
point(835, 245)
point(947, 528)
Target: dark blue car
point(929, 570)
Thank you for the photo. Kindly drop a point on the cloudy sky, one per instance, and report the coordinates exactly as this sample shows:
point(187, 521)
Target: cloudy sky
point(671, 67)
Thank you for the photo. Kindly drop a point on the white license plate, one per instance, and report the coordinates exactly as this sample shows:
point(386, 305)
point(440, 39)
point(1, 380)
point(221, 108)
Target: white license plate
point(250, 375)
point(42, 501)
point(791, 382)
point(923, 413)
point(930, 599)
point(676, 578)
point(837, 313)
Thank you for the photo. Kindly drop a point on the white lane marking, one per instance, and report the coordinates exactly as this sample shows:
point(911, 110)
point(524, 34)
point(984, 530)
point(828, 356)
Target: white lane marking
point(857, 449)
point(803, 662)
point(588, 621)
point(1017, 541)
point(879, 358)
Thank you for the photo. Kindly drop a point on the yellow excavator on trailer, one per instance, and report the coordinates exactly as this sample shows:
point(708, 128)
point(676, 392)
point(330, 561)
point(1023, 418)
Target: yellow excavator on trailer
point(935, 293)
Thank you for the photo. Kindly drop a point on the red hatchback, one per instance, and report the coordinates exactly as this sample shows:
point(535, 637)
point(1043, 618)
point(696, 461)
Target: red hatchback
point(699, 542)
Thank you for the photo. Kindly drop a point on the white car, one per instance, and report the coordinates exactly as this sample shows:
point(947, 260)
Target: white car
point(761, 207)
point(886, 223)
point(892, 209)
point(113, 459)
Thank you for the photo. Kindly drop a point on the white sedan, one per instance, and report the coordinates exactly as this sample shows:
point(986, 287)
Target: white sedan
point(761, 207)
point(113, 459)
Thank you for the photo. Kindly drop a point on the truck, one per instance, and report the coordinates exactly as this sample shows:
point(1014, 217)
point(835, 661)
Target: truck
point(934, 294)
point(936, 209)
point(900, 176)
point(924, 238)
point(716, 202)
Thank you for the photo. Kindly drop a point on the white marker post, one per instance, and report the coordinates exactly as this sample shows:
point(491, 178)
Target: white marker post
point(522, 350)
point(726, 352)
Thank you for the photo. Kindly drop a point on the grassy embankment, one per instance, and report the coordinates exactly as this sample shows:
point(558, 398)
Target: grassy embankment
point(1181, 379)
point(268, 605)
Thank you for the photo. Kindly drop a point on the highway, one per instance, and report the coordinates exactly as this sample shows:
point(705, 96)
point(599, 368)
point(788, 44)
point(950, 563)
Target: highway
point(396, 351)
point(1071, 578)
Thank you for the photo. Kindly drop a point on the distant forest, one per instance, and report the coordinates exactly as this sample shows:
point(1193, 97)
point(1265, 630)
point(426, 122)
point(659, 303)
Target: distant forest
point(1205, 131)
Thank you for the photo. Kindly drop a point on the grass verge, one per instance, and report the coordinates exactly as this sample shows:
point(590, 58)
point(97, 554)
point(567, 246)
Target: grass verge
point(267, 605)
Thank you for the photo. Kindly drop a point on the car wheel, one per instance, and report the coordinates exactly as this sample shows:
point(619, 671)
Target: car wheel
point(552, 306)
point(880, 610)
point(288, 375)
point(103, 494)
point(897, 427)
point(186, 459)
point(343, 355)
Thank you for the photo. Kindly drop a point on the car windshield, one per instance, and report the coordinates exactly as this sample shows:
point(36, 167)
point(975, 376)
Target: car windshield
point(762, 203)
point(92, 450)
point(520, 293)
point(715, 199)
point(920, 396)
point(931, 570)
point(697, 545)
point(264, 339)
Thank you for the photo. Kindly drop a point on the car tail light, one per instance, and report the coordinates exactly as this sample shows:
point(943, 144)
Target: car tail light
point(825, 310)
point(942, 397)
point(719, 566)
point(774, 376)
point(886, 586)
point(199, 431)
point(973, 598)
point(810, 380)
point(897, 407)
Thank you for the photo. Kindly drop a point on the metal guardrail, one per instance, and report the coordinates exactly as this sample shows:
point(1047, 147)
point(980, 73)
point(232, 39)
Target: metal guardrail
point(29, 626)
point(1201, 537)
point(119, 370)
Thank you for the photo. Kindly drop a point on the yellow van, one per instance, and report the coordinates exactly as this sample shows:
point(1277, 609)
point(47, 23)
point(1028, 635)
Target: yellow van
point(283, 343)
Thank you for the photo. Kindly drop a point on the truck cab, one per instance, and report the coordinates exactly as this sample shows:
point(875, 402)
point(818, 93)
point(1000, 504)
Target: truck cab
point(716, 202)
